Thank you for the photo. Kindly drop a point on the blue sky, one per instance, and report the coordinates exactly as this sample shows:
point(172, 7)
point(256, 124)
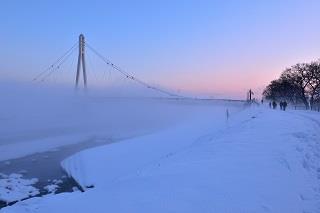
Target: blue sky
point(212, 47)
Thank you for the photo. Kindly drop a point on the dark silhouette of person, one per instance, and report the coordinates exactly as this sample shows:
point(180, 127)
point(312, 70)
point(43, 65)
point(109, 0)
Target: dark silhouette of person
point(281, 105)
point(284, 105)
point(274, 105)
point(262, 101)
point(270, 105)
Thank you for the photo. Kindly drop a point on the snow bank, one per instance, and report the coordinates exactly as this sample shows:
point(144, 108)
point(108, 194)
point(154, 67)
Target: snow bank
point(102, 166)
point(264, 161)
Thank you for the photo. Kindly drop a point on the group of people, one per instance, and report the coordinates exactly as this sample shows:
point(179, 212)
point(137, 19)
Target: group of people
point(283, 105)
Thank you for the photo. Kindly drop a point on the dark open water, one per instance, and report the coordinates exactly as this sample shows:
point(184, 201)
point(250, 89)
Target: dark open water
point(46, 167)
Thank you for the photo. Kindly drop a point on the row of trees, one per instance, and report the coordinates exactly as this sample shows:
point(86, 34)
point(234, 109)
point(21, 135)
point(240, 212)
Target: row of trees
point(297, 84)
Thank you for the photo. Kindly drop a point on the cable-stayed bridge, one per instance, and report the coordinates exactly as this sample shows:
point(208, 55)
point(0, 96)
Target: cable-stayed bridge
point(82, 47)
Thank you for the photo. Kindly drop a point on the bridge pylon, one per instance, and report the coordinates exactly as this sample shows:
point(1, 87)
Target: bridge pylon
point(81, 62)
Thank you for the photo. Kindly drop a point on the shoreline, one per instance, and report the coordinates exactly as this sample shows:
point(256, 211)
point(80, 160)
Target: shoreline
point(36, 166)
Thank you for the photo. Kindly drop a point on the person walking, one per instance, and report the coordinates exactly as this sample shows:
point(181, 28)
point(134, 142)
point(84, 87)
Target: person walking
point(281, 105)
point(274, 105)
point(284, 105)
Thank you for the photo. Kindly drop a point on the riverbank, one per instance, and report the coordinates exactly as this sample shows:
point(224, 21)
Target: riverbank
point(33, 143)
point(263, 160)
point(45, 171)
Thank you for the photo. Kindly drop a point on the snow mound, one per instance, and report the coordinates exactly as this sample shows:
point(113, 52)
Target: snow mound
point(52, 188)
point(14, 188)
point(103, 165)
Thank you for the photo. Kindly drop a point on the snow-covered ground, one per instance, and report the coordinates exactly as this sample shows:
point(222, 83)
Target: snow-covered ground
point(260, 160)
point(42, 125)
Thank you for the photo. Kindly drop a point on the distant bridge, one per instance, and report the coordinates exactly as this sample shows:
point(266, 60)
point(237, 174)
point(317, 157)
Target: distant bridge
point(82, 45)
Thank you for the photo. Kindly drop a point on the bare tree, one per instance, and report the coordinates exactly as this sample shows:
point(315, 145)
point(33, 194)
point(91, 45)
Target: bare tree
point(297, 84)
point(299, 76)
point(282, 89)
point(314, 83)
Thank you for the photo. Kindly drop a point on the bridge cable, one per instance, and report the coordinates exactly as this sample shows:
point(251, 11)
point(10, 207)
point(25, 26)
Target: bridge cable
point(131, 77)
point(58, 66)
point(53, 65)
